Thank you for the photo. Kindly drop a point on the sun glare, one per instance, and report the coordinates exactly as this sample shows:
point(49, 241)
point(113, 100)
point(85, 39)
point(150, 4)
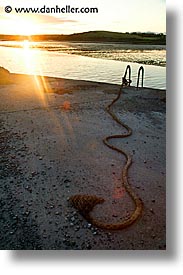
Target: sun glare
point(29, 57)
point(26, 44)
point(24, 25)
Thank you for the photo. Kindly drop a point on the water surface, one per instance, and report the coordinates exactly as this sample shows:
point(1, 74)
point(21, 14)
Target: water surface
point(77, 61)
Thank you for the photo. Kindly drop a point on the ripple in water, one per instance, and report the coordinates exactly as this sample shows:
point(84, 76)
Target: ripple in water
point(76, 61)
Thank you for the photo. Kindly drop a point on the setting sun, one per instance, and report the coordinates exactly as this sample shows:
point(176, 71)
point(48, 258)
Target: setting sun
point(26, 44)
point(25, 27)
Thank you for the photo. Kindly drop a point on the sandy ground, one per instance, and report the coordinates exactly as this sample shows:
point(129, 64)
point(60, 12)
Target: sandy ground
point(51, 148)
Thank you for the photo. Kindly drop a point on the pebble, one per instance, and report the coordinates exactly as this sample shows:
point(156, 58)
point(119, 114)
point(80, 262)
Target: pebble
point(33, 173)
point(89, 225)
point(67, 180)
point(151, 210)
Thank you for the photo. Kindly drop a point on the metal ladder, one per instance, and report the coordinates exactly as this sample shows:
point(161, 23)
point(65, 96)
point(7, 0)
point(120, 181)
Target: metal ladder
point(127, 82)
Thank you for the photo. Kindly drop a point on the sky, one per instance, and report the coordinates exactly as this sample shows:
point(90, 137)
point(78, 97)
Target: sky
point(115, 15)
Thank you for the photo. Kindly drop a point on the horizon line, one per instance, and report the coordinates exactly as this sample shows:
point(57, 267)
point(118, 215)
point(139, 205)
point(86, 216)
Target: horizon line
point(138, 32)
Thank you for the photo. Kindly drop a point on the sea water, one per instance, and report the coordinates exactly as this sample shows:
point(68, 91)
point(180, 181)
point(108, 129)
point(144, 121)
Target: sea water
point(59, 60)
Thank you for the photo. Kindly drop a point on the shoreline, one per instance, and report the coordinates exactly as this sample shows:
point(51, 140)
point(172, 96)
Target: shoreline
point(76, 81)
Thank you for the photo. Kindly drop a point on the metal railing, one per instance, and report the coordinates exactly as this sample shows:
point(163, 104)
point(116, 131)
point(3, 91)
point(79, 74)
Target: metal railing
point(127, 82)
point(141, 69)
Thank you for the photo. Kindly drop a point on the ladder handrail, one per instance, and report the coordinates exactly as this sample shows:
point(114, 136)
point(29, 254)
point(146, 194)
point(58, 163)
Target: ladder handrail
point(142, 79)
point(124, 80)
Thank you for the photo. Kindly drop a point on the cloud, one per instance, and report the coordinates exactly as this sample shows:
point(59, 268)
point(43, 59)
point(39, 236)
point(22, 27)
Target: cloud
point(46, 19)
point(37, 18)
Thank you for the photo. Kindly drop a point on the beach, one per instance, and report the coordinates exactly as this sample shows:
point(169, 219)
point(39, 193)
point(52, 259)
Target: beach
point(51, 143)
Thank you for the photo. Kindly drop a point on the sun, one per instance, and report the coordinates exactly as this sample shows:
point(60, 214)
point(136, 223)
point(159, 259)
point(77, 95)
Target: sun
point(26, 27)
point(26, 44)
point(24, 24)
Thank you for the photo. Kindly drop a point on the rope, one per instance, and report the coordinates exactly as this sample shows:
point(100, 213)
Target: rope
point(85, 203)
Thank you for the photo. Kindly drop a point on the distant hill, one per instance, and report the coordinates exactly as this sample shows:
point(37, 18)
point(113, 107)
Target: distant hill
point(96, 36)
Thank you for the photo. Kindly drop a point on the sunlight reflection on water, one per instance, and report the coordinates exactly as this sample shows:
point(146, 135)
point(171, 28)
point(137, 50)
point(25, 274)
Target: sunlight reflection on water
point(59, 64)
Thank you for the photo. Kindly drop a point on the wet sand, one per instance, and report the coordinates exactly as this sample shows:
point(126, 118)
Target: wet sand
point(51, 148)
